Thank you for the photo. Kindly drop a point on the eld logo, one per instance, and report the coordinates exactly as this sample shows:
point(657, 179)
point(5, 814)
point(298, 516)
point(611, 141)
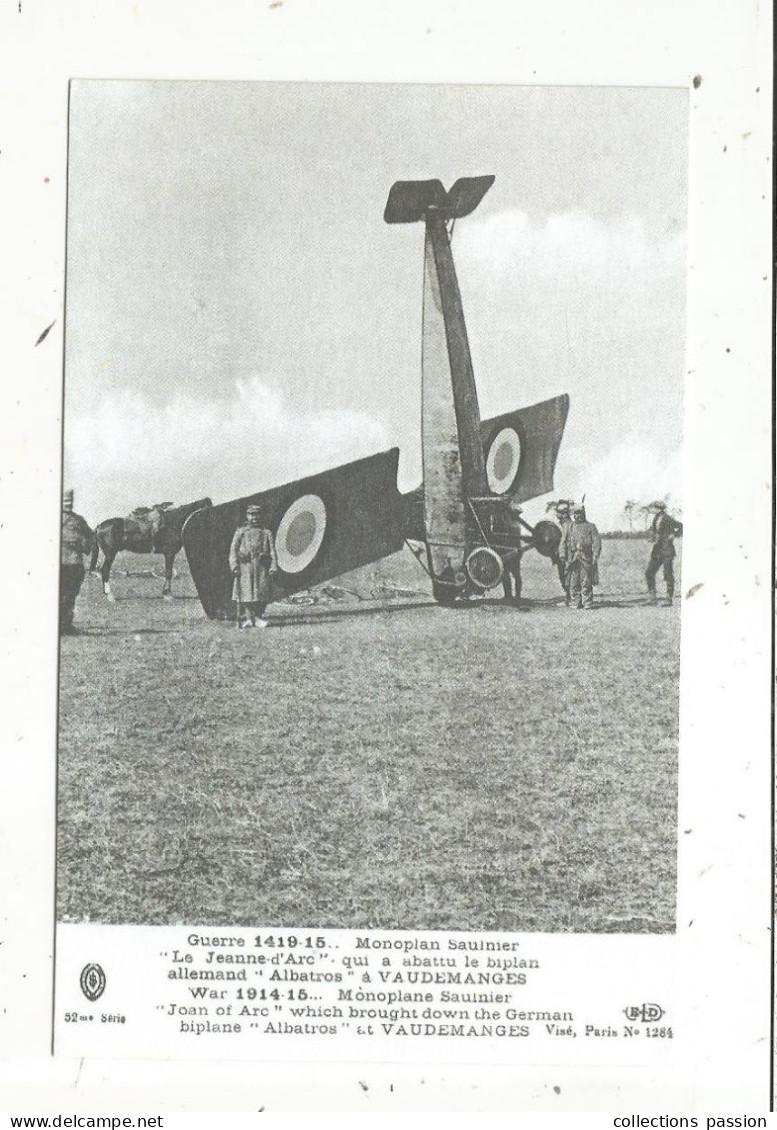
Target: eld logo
point(92, 981)
point(647, 1013)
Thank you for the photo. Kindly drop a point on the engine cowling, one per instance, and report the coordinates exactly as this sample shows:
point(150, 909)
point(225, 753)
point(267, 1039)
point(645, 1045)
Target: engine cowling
point(546, 539)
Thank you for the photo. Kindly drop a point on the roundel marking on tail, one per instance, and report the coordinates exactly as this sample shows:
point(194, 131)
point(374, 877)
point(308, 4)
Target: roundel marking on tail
point(300, 533)
point(504, 457)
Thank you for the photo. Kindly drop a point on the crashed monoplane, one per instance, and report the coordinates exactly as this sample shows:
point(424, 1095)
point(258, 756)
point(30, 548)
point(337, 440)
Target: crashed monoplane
point(329, 523)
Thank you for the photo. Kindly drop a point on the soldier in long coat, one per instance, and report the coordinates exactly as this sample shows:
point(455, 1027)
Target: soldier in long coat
point(253, 562)
point(564, 519)
point(77, 541)
point(580, 547)
point(663, 531)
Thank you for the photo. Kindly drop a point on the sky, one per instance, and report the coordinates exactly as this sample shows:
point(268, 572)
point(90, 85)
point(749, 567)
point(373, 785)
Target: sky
point(238, 313)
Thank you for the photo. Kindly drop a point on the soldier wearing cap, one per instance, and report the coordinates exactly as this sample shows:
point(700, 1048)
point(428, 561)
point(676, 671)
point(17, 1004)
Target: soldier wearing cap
point(252, 561)
point(77, 540)
point(564, 519)
point(663, 531)
point(581, 546)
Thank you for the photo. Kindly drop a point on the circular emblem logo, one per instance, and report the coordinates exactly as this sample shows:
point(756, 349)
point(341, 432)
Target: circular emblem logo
point(92, 981)
point(300, 533)
point(504, 456)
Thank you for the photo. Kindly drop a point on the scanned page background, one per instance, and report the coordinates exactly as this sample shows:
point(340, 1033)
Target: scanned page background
point(724, 915)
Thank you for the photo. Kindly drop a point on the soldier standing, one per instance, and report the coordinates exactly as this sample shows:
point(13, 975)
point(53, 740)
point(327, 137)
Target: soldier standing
point(564, 519)
point(77, 541)
point(252, 561)
point(663, 531)
point(580, 548)
point(511, 530)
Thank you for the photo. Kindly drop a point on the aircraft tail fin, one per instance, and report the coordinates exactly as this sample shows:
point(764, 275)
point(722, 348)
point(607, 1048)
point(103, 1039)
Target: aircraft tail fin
point(410, 200)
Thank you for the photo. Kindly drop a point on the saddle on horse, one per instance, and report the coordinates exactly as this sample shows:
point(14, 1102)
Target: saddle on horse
point(143, 526)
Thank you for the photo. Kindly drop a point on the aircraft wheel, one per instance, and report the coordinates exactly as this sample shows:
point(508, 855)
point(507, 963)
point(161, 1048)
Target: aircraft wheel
point(484, 568)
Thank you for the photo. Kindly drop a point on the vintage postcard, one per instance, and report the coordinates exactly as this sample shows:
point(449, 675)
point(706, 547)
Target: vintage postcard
point(411, 684)
point(341, 679)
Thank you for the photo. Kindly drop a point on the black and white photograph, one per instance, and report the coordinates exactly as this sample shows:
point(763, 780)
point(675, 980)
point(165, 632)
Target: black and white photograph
point(386, 517)
point(373, 506)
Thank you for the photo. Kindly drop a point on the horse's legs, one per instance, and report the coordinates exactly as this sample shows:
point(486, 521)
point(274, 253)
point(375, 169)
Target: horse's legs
point(105, 573)
point(167, 591)
point(95, 554)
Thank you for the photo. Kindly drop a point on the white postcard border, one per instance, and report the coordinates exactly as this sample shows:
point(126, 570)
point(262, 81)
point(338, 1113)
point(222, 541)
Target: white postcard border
point(725, 800)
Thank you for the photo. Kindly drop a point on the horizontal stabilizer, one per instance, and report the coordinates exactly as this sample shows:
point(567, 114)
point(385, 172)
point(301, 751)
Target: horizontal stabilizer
point(539, 429)
point(323, 525)
point(466, 194)
point(410, 200)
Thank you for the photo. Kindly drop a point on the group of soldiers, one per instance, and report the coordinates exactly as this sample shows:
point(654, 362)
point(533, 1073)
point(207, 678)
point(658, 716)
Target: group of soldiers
point(578, 555)
point(253, 561)
point(577, 558)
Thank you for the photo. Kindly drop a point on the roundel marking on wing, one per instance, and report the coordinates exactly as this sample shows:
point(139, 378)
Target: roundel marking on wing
point(300, 533)
point(504, 456)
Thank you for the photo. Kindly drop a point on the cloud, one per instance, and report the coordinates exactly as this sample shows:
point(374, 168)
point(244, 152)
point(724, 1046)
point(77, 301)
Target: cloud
point(593, 308)
point(570, 304)
point(126, 451)
point(509, 246)
point(638, 472)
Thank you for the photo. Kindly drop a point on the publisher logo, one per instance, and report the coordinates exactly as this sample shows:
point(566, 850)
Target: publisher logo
point(647, 1013)
point(92, 981)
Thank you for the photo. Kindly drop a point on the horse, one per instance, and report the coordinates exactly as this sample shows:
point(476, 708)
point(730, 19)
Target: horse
point(149, 529)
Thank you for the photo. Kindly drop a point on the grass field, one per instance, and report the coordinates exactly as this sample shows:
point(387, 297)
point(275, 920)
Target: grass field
point(365, 765)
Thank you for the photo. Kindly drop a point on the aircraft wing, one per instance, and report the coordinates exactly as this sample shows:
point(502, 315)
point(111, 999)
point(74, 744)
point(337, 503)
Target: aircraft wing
point(520, 447)
point(323, 525)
